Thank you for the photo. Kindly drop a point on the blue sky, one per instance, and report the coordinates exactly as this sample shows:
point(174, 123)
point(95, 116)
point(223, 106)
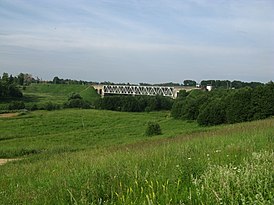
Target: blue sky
point(138, 40)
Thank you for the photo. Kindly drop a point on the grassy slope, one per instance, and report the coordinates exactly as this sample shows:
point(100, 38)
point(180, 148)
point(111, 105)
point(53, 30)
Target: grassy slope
point(57, 93)
point(74, 129)
point(227, 164)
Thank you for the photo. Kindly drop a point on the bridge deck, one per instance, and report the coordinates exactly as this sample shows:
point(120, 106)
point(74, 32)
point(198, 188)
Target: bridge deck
point(140, 90)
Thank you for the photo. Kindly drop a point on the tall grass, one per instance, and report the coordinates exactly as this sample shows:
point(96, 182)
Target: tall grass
point(77, 129)
point(251, 182)
point(230, 165)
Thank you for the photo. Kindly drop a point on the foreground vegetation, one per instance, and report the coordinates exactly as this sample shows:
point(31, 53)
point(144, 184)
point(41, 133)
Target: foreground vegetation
point(107, 159)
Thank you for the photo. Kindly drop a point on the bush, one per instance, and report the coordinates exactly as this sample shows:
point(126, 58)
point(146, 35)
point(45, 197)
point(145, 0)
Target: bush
point(34, 107)
point(16, 105)
point(153, 128)
point(77, 103)
point(51, 106)
point(74, 96)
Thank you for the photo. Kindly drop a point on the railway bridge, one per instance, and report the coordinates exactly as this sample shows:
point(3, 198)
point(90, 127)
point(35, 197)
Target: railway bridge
point(140, 90)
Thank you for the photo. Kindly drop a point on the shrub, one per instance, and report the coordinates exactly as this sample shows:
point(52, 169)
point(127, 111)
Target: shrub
point(153, 128)
point(16, 105)
point(74, 96)
point(33, 107)
point(77, 103)
point(51, 106)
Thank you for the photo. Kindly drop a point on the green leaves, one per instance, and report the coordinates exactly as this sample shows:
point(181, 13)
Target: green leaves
point(153, 128)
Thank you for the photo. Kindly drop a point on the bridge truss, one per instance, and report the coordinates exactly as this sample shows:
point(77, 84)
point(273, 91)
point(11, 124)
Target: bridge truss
point(139, 90)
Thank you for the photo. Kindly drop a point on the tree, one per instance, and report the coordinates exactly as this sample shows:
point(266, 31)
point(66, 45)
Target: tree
point(28, 79)
point(182, 94)
point(8, 88)
point(189, 83)
point(56, 80)
point(262, 100)
point(13, 91)
point(5, 79)
point(239, 107)
point(21, 79)
point(11, 79)
point(212, 113)
point(177, 109)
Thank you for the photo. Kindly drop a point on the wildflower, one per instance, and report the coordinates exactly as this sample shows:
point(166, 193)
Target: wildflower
point(189, 158)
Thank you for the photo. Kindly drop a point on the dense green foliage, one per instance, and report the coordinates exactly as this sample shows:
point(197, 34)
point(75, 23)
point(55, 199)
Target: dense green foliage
point(153, 128)
point(16, 105)
point(230, 84)
point(75, 100)
point(225, 106)
point(57, 80)
point(190, 83)
point(106, 159)
point(9, 88)
point(134, 103)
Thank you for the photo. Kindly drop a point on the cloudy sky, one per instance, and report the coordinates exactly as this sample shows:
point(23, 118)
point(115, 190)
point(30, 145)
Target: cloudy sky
point(138, 40)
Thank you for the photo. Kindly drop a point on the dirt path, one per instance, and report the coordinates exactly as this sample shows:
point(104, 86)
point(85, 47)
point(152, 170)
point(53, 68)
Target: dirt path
point(9, 115)
point(4, 161)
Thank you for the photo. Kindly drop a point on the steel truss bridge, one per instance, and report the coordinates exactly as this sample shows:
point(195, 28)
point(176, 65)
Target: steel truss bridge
point(139, 90)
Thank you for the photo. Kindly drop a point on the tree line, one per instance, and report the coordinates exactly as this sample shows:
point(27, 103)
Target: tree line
point(225, 105)
point(229, 84)
point(134, 103)
point(215, 83)
point(9, 86)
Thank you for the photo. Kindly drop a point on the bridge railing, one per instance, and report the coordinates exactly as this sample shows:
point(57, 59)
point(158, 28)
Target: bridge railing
point(138, 90)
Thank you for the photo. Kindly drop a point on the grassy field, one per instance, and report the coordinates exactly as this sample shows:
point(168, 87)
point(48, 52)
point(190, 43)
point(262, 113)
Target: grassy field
point(102, 157)
point(58, 93)
point(40, 94)
point(76, 129)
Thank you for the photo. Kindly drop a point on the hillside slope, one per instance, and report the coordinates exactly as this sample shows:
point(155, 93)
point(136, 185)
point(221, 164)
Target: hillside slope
point(58, 93)
point(106, 159)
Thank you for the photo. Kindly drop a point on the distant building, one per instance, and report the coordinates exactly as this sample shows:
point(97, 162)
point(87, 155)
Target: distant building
point(209, 87)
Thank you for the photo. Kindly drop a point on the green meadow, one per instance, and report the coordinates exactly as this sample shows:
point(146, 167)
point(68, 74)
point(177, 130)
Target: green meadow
point(76, 156)
point(57, 93)
point(76, 129)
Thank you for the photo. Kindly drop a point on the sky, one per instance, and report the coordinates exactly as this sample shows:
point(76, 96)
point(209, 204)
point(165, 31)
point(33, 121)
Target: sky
point(136, 41)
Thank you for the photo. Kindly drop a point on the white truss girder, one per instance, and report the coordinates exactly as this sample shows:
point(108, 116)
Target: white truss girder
point(139, 90)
